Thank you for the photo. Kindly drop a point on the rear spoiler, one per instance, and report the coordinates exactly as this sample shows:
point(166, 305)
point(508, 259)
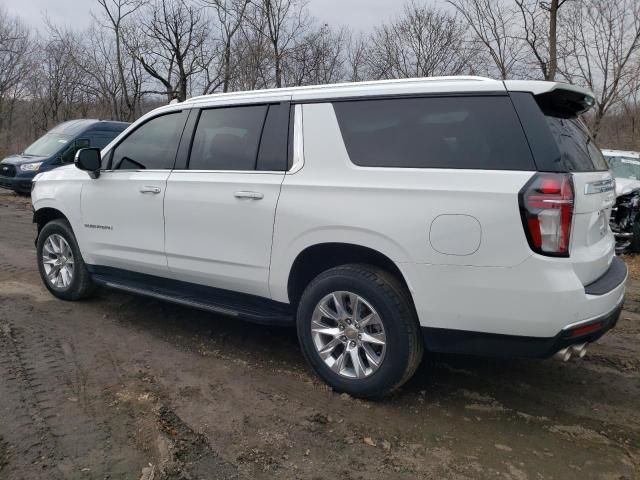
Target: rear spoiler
point(558, 99)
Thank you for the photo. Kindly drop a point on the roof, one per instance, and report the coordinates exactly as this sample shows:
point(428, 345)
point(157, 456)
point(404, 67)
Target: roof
point(620, 153)
point(405, 86)
point(379, 87)
point(74, 127)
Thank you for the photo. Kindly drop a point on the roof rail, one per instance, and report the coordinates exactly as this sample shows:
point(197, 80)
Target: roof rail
point(344, 85)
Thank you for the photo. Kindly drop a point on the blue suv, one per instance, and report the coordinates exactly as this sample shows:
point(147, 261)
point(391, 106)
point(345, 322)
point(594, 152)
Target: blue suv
point(56, 148)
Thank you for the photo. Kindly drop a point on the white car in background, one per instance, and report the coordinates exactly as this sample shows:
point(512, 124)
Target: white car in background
point(625, 166)
point(625, 215)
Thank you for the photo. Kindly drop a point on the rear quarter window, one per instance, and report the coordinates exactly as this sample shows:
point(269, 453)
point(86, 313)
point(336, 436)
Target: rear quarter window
point(434, 132)
point(577, 149)
point(558, 138)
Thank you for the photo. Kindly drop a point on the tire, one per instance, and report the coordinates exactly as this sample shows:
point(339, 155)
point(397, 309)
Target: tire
point(379, 292)
point(79, 284)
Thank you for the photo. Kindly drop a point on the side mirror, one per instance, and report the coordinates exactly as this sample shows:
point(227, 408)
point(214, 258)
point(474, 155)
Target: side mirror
point(89, 159)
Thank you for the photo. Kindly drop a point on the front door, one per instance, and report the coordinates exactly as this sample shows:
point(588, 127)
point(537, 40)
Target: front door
point(123, 209)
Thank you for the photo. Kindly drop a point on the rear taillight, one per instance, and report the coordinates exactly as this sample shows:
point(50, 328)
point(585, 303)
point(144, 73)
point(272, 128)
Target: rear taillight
point(546, 206)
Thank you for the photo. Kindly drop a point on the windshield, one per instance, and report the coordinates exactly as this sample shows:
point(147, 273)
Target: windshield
point(624, 167)
point(47, 145)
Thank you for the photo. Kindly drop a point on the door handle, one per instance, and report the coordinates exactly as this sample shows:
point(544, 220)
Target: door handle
point(148, 189)
point(251, 195)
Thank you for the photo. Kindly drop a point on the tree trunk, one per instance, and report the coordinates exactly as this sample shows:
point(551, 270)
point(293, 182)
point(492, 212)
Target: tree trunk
point(553, 40)
point(227, 67)
point(278, 67)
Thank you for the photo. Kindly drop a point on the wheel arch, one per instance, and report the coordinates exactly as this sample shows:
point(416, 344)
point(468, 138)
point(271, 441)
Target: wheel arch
point(44, 215)
point(317, 258)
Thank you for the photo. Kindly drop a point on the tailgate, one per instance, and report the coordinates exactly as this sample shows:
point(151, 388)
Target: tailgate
point(592, 242)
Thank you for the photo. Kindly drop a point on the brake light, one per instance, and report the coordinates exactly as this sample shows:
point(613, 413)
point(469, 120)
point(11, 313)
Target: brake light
point(546, 206)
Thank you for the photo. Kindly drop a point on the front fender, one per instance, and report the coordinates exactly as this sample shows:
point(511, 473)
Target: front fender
point(61, 189)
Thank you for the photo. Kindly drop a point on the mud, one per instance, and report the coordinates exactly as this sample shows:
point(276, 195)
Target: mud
point(122, 387)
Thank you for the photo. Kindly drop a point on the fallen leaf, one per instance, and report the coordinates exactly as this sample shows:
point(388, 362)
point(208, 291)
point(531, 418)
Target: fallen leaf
point(369, 441)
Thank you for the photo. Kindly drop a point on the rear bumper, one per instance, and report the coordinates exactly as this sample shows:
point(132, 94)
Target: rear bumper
point(517, 346)
point(17, 184)
point(612, 278)
point(529, 310)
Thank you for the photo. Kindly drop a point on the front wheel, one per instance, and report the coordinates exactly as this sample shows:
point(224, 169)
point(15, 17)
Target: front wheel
point(358, 330)
point(60, 263)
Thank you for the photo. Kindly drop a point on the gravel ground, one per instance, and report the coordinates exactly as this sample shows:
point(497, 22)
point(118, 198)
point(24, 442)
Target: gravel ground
point(122, 387)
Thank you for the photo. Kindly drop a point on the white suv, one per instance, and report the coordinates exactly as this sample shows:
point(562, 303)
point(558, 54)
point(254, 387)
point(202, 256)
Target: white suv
point(456, 214)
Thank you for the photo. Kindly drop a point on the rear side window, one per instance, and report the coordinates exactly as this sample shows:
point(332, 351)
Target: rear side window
point(227, 138)
point(152, 146)
point(434, 132)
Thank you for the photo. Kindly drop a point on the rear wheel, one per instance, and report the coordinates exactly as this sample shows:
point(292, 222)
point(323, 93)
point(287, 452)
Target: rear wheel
point(358, 330)
point(60, 263)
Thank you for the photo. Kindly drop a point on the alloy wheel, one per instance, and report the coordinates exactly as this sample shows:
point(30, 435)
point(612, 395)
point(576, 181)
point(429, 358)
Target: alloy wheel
point(57, 259)
point(348, 334)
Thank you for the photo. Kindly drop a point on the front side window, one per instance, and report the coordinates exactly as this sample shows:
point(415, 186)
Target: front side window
point(227, 138)
point(152, 146)
point(434, 132)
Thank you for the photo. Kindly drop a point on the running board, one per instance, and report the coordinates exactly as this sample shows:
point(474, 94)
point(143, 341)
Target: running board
point(233, 304)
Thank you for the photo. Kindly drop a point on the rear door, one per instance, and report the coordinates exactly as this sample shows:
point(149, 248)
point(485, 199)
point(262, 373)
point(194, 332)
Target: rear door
point(220, 207)
point(561, 142)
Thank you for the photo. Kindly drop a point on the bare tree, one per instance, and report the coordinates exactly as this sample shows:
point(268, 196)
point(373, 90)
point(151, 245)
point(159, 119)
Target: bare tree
point(168, 44)
point(55, 82)
point(230, 15)
point(539, 31)
point(116, 15)
point(15, 49)
point(285, 20)
point(605, 44)
point(494, 26)
point(356, 58)
point(318, 58)
point(252, 51)
point(424, 41)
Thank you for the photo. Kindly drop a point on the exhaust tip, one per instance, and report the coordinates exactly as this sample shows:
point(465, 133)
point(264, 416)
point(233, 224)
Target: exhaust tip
point(580, 349)
point(564, 354)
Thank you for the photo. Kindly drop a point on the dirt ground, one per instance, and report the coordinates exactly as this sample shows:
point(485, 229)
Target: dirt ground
point(123, 387)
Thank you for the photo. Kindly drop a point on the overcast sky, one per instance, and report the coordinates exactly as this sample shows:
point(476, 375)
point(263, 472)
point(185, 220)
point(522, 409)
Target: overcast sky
point(358, 14)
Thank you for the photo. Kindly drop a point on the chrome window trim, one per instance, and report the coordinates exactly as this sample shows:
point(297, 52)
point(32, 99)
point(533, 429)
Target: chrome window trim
point(185, 170)
point(298, 142)
point(270, 172)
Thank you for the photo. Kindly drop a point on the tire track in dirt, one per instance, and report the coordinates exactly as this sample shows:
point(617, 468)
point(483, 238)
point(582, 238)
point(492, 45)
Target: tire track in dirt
point(23, 425)
point(58, 429)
